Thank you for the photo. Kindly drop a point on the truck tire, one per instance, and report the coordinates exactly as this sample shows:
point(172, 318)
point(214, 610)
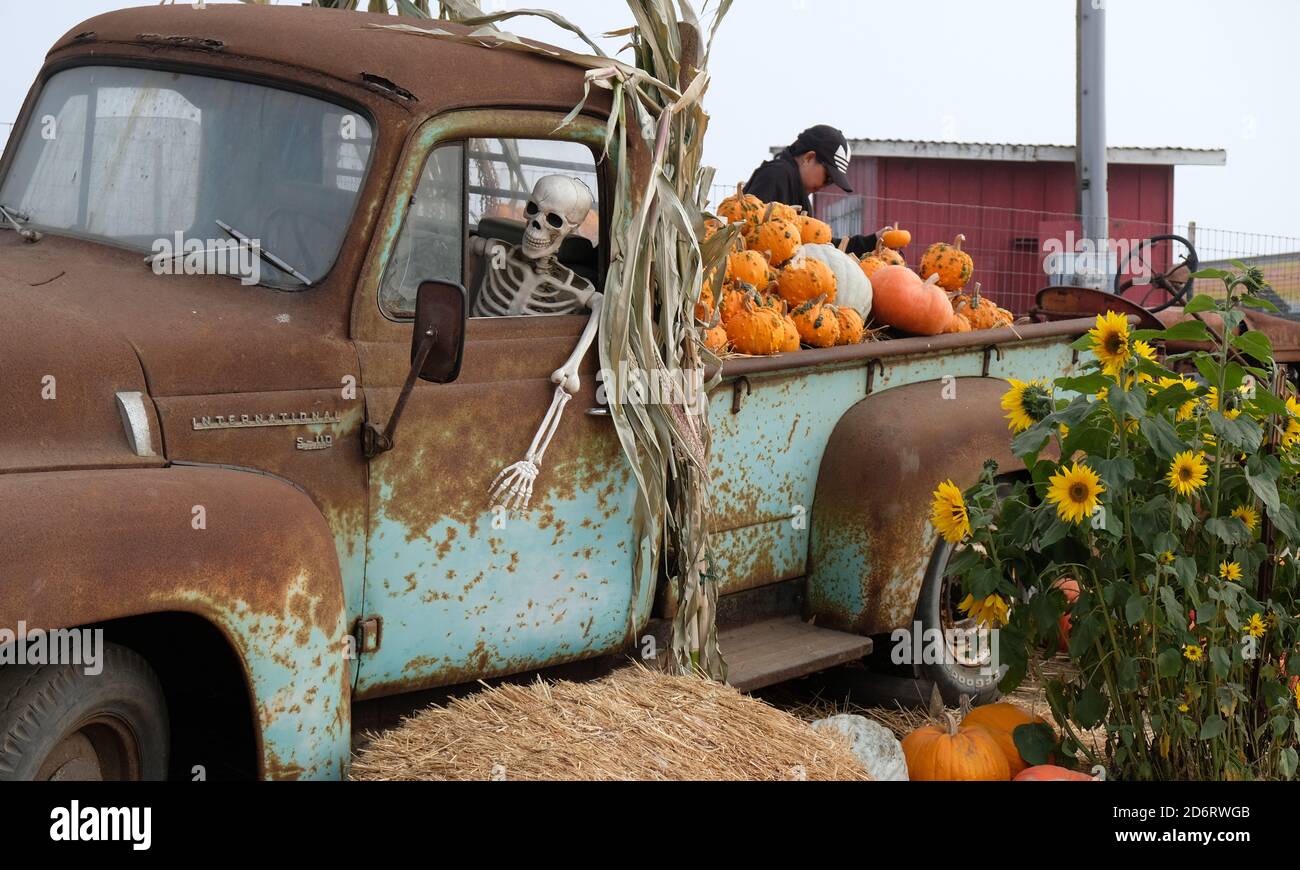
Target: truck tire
point(59, 723)
point(936, 607)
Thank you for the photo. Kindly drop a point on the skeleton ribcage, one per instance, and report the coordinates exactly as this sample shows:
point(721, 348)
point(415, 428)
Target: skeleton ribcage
point(512, 288)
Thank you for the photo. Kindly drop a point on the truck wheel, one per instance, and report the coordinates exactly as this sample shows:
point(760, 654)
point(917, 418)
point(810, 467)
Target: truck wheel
point(959, 672)
point(59, 723)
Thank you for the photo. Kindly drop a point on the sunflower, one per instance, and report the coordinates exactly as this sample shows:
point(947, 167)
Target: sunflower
point(1230, 570)
point(1166, 558)
point(1212, 400)
point(1147, 352)
point(1074, 491)
point(1026, 403)
point(1193, 653)
point(1110, 342)
point(1270, 621)
point(1296, 691)
point(1183, 708)
point(1188, 408)
point(1187, 472)
point(948, 513)
point(1255, 626)
point(1248, 515)
point(1292, 433)
point(991, 612)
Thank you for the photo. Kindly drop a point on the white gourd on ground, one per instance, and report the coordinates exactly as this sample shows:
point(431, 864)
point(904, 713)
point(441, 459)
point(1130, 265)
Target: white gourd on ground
point(853, 287)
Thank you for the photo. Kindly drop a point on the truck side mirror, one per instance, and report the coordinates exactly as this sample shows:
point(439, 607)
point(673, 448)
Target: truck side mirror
point(440, 320)
point(437, 347)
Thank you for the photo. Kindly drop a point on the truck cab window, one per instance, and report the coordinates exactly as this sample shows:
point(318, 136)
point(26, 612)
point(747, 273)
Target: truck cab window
point(478, 191)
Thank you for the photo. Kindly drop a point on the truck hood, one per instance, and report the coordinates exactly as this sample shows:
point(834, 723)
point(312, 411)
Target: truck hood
point(84, 323)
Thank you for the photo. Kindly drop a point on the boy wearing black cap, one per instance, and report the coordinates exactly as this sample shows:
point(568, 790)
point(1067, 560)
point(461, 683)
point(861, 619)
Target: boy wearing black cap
point(817, 159)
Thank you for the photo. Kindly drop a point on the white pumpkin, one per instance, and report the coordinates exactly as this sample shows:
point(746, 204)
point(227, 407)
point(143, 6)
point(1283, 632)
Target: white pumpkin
point(873, 744)
point(852, 286)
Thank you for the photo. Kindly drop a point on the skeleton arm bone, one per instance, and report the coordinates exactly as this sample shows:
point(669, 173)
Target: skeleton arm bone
point(566, 376)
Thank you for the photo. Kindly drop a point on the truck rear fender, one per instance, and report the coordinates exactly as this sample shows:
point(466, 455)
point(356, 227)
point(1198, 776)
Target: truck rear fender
point(871, 536)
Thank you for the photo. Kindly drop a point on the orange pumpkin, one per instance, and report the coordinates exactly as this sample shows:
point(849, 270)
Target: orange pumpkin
point(1002, 720)
point(790, 342)
point(954, 752)
point(779, 211)
point(852, 329)
point(715, 338)
point(733, 299)
point(982, 313)
point(711, 228)
point(957, 324)
point(953, 265)
point(752, 268)
point(805, 279)
point(1053, 773)
point(741, 207)
point(704, 308)
point(817, 323)
point(755, 329)
point(903, 300)
point(895, 238)
point(813, 231)
point(779, 239)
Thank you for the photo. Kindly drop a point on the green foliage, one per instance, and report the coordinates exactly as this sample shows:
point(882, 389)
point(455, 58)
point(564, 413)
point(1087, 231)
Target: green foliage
point(1183, 633)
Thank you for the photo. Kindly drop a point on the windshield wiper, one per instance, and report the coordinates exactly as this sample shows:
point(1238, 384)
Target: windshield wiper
point(263, 253)
point(12, 217)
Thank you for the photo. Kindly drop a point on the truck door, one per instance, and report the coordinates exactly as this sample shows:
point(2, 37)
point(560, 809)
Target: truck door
point(455, 591)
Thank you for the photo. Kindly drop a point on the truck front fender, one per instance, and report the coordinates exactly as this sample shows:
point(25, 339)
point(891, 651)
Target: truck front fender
point(871, 537)
point(249, 553)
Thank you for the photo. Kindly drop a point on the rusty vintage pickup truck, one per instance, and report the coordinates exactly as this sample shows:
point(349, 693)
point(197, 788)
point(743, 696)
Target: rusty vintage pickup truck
point(185, 484)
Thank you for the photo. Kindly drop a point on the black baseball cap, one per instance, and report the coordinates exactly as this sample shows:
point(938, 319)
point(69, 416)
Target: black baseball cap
point(831, 148)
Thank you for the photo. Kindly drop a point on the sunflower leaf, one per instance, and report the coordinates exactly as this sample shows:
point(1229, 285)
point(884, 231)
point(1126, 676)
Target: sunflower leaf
point(1262, 472)
point(1198, 303)
point(1162, 437)
point(1242, 433)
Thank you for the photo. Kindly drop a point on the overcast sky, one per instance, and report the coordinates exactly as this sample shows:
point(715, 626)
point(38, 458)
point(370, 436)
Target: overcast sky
point(1189, 73)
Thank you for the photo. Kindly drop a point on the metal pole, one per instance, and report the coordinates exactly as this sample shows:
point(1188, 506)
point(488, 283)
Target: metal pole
point(1090, 132)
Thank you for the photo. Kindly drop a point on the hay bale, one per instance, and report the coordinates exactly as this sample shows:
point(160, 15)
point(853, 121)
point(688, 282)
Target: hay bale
point(634, 724)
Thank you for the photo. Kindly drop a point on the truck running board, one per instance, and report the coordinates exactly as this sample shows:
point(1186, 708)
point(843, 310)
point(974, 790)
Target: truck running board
point(774, 650)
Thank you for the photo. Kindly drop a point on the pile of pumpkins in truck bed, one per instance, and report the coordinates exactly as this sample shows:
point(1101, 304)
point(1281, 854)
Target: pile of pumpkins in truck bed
point(786, 286)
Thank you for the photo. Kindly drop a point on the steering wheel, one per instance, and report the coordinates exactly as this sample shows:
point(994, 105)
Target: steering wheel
point(1175, 281)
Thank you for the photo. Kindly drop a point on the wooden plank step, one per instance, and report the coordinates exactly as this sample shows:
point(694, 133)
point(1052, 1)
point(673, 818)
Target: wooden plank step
point(775, 650)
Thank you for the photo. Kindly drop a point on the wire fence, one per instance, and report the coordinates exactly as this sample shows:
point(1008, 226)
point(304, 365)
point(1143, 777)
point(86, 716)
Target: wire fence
point(1017, 252)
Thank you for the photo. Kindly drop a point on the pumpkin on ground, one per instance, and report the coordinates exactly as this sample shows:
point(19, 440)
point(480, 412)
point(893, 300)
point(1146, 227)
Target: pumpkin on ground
point(852, 329)
point(852, 286)
point(813, 231)
point(954, 752)
point(953, 265)
point(751, 267)
point(1001, 720)
point(903, 300)
point(779, 239)
point(805, 278)
point(1053, 773)
point(817, 323)
point(893, 237)
point(756, 328)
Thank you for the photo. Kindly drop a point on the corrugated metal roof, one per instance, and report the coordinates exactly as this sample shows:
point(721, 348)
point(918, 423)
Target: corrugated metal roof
point(1021, 153)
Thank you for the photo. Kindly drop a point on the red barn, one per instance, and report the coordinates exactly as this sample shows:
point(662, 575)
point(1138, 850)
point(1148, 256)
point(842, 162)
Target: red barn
point(1012, 202)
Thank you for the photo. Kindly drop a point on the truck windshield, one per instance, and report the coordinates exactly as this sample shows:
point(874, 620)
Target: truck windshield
point(134, 157)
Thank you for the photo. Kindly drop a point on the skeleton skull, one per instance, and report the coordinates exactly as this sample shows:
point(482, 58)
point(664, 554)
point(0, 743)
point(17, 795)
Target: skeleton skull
point(557, 206)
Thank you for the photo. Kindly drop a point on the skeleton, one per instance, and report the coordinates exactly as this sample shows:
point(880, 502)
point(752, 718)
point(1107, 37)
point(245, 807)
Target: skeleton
point(528, 279)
